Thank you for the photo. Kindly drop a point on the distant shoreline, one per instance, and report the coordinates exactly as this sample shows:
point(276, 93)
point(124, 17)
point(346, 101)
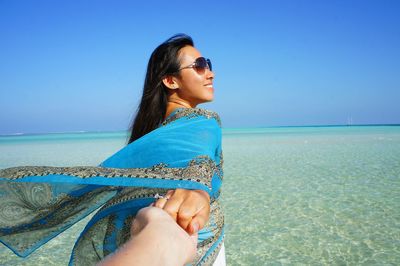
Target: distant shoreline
point(224, 128)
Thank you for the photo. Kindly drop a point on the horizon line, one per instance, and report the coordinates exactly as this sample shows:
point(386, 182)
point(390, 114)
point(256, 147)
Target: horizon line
point(122, 130)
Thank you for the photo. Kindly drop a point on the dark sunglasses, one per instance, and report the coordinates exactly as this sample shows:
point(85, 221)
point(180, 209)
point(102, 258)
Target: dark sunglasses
point(200, 64)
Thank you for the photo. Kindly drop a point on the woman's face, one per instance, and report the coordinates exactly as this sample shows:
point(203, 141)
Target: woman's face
point(194, 86)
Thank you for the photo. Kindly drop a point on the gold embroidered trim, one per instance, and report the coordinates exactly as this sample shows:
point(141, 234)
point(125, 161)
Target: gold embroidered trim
point(192, 113)
point(219, 167)
point(199, 169)
point(210, 259)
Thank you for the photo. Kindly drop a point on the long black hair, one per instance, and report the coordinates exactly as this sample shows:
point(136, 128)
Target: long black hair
point(152, 108)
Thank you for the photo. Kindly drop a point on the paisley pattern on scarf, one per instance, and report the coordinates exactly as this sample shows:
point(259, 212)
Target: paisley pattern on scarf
point(25, 203)
point(39, 202)
point(199, 169)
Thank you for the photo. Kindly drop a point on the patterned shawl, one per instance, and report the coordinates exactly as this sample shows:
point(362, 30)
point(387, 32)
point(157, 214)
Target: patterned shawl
point(39, 202)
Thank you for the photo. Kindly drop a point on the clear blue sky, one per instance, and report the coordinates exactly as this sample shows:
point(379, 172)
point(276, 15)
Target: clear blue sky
point(80, 65)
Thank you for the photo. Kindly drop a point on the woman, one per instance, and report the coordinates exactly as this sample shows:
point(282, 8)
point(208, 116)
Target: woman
point(174, 150)
point(177, 77)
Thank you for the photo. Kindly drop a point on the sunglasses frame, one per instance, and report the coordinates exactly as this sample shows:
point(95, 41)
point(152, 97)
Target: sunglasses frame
point(195, 64)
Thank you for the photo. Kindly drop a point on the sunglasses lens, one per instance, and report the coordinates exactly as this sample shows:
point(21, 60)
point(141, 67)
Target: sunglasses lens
point(202, 63)
point(209, 64)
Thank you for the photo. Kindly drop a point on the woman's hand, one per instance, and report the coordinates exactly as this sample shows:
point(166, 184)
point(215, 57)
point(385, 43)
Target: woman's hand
point(189, 208)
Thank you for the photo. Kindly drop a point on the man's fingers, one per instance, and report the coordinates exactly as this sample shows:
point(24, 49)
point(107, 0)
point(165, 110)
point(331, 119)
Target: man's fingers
point(139, 221)
point(195, 239)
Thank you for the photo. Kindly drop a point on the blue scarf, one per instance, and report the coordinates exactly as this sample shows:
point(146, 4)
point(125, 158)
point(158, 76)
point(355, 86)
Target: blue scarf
point(38, 202)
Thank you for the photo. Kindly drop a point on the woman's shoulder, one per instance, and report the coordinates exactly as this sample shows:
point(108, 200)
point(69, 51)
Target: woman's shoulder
point(192, 113)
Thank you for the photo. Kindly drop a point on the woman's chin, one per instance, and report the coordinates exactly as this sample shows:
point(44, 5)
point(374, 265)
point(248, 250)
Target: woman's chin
point(210, 97)
point(208, 100)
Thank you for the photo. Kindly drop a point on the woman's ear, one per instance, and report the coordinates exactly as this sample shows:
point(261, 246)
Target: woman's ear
point(170, 82)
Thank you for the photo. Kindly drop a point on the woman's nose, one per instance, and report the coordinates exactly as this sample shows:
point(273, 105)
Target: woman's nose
point(210, 74)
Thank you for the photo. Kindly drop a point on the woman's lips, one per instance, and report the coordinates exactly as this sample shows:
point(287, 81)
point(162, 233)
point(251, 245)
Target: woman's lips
point(210, 87)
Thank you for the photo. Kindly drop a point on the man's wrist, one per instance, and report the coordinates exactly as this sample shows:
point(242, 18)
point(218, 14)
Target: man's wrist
point(166, 245)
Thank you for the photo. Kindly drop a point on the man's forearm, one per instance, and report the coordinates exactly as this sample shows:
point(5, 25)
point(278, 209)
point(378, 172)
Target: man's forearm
point(152, 246)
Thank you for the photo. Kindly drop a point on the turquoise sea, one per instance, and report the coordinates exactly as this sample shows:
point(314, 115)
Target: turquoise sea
point(292, 195)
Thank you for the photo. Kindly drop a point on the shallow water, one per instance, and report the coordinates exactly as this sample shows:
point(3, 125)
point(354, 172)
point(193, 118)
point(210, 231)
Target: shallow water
point(295, 195)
